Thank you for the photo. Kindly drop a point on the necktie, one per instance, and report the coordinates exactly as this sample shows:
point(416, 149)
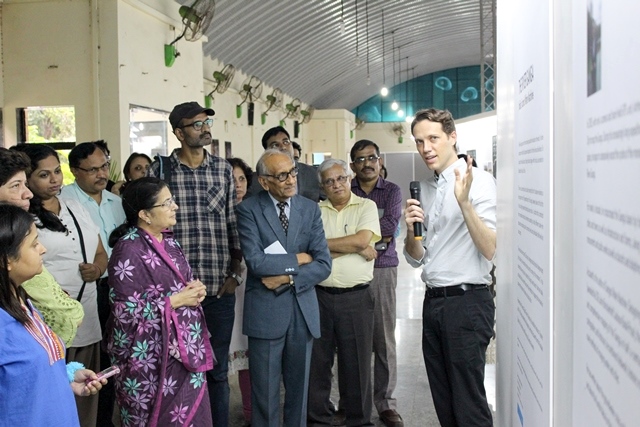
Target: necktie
point(283, 217)
point(436, 176)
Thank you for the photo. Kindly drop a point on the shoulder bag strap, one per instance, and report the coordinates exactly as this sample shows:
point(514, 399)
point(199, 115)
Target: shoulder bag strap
point(84, 252)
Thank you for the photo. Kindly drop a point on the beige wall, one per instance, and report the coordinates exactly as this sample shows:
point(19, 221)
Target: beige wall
point(48, 56)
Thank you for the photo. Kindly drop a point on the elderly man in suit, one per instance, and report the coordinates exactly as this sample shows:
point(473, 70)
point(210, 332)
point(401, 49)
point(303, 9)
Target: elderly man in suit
point(286, 252)
point(307, 179)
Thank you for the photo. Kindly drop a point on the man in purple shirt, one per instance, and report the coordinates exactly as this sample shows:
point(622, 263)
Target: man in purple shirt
point(366, 164)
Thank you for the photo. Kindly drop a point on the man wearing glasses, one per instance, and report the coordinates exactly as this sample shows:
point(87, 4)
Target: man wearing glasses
point(366, 164)
point(286, 253)
point(307, 179)
point(90, 166)
point(207, 231)
point(346, 302)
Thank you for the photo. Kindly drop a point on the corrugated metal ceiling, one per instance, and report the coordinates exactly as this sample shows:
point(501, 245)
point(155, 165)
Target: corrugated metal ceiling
point(297, 45)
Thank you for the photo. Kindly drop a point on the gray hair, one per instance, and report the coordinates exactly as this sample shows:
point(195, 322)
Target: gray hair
point(329, 163)
point(261, 167)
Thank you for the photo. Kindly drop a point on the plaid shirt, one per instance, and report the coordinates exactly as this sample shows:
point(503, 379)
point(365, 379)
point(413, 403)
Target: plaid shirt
point(206, 226)
point(388, 198)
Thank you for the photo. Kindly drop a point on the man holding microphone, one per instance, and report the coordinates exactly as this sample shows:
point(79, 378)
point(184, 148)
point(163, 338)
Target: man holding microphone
point(457, 208)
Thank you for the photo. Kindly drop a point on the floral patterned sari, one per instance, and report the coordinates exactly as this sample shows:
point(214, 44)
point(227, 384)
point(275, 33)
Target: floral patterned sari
point(162, 353)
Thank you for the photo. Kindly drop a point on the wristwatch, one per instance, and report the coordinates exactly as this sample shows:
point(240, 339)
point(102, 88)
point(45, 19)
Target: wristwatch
point(291, 281)
point(237, 277)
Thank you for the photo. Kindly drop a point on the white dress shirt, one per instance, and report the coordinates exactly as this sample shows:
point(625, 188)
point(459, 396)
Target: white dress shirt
point(450, 256)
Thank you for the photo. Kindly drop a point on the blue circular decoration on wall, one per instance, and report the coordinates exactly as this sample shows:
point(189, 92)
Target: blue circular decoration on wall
point(443, 83)
point(488, 85)
point(469, 94)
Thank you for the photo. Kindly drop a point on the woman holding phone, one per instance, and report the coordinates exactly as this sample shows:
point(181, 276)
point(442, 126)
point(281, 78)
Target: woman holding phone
point(36, 386)
point(157, 333)
point(75, 256)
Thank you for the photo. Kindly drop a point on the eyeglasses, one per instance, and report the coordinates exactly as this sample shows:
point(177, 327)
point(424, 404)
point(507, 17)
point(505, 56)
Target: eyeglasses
point(282, 177)
point(278, 144)
point(167, 203)
point(93, 171)
point(197, 125)
point(330, 182)
point(371, 158)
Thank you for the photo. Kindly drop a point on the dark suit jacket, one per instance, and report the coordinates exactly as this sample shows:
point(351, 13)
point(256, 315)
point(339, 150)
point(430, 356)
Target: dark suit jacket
point(308, 183)
point(266, 315)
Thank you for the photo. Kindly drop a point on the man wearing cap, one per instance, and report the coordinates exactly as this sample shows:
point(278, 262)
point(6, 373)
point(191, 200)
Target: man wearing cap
point(206, 229)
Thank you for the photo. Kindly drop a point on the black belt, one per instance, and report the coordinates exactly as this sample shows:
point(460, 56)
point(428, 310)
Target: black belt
point(453, 291)
point(336, 291)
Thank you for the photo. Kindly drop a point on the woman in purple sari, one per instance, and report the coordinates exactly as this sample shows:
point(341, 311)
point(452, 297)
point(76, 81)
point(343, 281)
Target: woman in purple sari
point(157, 333)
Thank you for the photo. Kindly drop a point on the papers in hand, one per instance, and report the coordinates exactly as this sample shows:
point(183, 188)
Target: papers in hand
point(275, 248)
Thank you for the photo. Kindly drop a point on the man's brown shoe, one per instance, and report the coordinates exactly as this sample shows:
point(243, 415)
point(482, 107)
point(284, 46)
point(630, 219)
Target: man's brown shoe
point(391, 418)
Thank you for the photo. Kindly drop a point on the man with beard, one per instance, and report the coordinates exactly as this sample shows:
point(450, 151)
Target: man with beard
point(90, 166)
point(207, 231)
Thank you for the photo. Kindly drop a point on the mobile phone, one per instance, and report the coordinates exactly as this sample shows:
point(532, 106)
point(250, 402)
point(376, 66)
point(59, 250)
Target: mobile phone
point(109, 372)
point(381, 246)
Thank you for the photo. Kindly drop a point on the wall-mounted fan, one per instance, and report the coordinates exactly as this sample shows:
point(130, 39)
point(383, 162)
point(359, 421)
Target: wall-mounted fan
point(307, 114)
point(250, 91)
point(223, 79)
point(292, 109)
point(195, 21)
point(274, 101)
point(398, 130)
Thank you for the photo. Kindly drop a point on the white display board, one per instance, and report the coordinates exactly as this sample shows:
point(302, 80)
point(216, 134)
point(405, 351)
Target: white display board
point(606, 376)
point(533, 222)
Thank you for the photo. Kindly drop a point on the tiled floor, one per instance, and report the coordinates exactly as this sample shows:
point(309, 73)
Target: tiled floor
point(412, 392)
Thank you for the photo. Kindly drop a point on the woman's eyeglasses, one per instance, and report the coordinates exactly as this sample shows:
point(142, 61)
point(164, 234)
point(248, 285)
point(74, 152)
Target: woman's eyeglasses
point(167, 203)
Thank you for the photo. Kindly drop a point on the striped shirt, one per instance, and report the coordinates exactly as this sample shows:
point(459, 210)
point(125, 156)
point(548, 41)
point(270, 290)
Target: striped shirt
point(206, 226)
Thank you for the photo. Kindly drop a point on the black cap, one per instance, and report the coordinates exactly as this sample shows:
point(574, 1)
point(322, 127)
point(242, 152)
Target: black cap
point(187, 110)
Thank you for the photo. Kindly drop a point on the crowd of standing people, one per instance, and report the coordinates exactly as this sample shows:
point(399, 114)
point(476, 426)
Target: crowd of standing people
point(195, 267)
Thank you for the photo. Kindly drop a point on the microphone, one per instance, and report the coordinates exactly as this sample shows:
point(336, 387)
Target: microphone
point(414, 188)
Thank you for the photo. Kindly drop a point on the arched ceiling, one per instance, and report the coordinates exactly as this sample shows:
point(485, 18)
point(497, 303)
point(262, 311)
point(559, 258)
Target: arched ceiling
point(297, 45)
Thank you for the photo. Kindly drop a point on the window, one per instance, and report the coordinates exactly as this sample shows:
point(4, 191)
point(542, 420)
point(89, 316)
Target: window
point(55, 126)
point(51, 125)
point(148, 130)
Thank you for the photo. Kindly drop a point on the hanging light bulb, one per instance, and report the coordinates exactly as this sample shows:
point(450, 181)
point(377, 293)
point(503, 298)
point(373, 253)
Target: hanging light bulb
point(408, 119)
point(384, 91)
point(357, 60)
point(342, 26)
point(368, 80)
point(400, 113)
point(394, 105)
